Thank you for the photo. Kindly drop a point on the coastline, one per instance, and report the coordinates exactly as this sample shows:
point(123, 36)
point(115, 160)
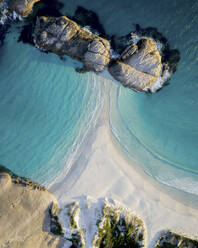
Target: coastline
point(102, 171)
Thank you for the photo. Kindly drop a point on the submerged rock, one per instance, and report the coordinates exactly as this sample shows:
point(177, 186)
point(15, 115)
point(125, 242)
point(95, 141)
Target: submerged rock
point(64, 37)
point(139, 67)
point(3, 31)
point(88, 18)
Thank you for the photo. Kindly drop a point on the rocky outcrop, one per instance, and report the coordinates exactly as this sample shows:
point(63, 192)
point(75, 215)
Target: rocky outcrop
point(119, 228)
point(139, 65)
point(64, 37)
point(173, 240)
point(24, 215)
point(22, 7)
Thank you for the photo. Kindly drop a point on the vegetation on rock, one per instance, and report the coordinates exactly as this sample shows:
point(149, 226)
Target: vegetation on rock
point(116, 230)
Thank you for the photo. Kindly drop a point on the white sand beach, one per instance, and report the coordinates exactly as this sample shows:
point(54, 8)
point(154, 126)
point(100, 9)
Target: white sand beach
point(102, 171)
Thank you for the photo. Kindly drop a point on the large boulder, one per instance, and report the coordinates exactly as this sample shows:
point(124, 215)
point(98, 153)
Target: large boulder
point(139, 66)
point(22, 7)
point(64, 37)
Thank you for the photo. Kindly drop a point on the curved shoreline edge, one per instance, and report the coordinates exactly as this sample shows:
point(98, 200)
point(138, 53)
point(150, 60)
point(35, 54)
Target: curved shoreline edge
point(116, 191)
point(103, 166)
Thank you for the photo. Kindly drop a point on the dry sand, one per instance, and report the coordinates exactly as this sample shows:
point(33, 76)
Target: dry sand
point(24, 216)
point(102, 171)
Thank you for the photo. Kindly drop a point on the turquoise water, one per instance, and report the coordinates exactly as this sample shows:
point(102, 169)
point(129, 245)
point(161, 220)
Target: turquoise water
point(46, 106)
point(46, 109)
point(165, 124)
point(159, 131)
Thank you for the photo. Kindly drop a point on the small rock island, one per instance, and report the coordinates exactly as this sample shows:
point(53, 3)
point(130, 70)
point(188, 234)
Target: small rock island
point(138, 65)
point(142, 62)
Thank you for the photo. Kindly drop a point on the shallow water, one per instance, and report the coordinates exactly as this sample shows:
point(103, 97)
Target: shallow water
point(46, 109)
point(159, 130)
point(45, 105)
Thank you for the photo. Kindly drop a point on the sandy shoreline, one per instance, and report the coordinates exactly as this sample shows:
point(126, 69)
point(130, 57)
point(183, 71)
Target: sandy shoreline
point(102, 171)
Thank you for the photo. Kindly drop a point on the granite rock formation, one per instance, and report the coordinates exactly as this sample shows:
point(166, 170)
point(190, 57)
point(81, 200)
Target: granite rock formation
point(64, 37)
point(139, 65)
point(147, 59)
point(22, 7)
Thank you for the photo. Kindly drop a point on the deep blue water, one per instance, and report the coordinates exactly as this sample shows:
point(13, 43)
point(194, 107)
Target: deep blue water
point(45, 105)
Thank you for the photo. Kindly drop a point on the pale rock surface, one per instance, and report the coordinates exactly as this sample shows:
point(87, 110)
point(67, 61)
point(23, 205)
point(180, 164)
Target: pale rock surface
point(138, 68)
point(64, 37)
point(130, 77)
point(24, 216)
point(147, 59)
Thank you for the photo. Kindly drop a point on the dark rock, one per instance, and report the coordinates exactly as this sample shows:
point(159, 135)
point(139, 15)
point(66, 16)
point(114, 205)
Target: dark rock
point(85, 17)
point(55, 226)
point(26, 34)
point(119, 43)
point(172, 240)
point(3, 31)
point(169, 56)
point(49, 8)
